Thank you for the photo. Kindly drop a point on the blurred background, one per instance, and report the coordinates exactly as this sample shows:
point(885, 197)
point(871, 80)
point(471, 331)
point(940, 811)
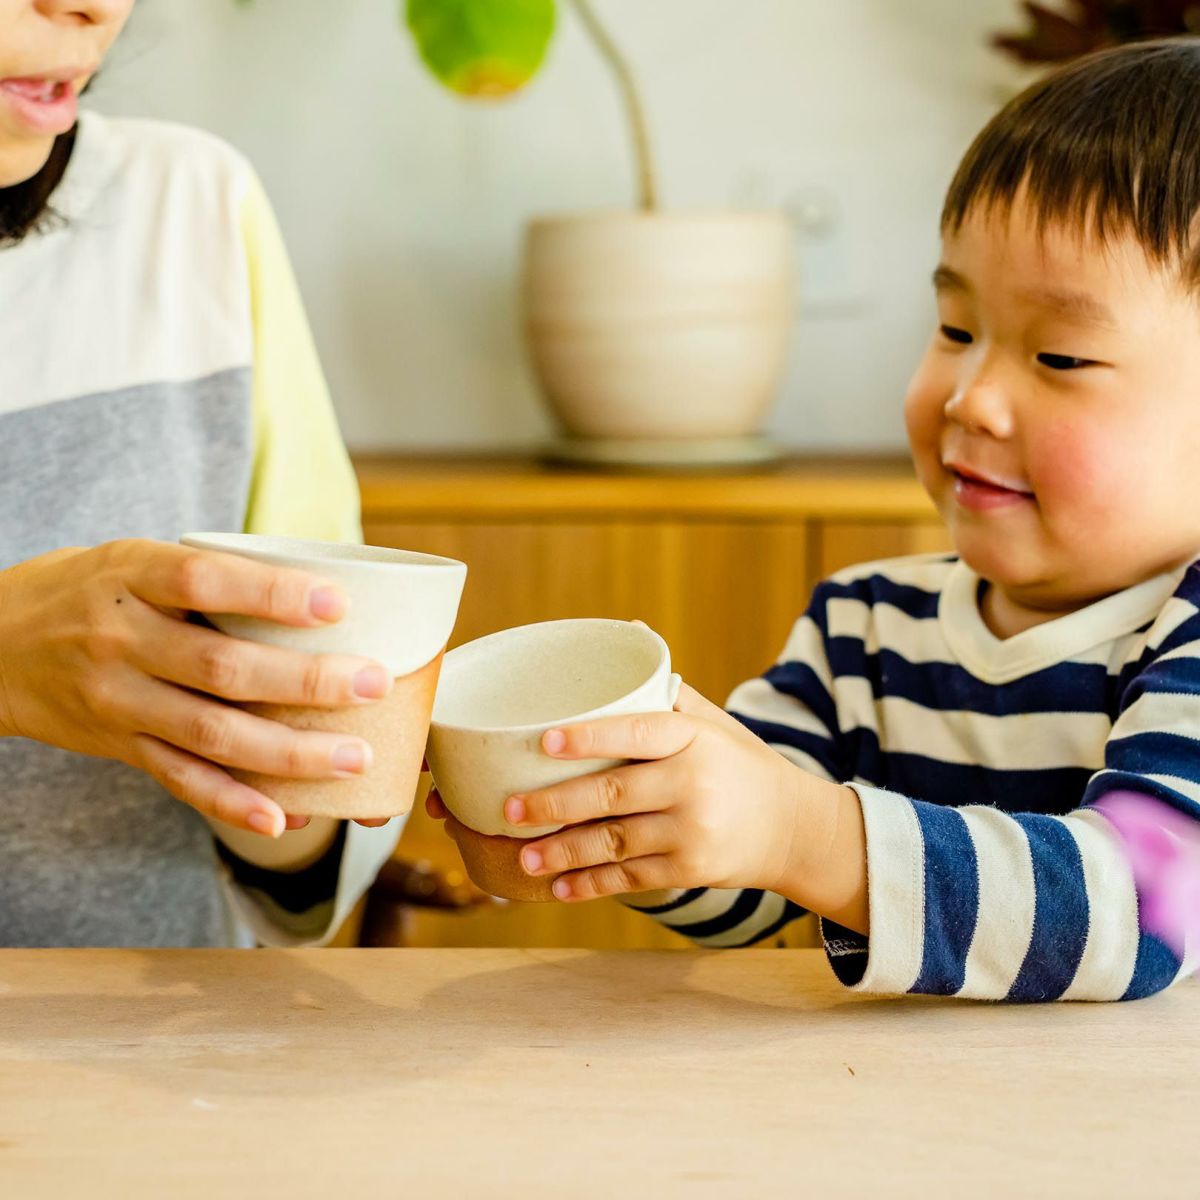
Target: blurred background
point(725, 389)
point(402, 204)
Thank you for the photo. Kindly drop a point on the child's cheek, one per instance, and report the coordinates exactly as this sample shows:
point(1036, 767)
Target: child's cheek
point(924, 417)
point(1084, 475)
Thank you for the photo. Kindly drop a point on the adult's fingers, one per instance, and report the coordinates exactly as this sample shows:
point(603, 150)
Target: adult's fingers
point(233, 669)
point(230, 737)
point(207, 581)
point(208, 789)
point(436, 807)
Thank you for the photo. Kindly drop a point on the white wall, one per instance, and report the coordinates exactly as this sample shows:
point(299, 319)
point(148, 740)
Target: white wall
point(402, 205)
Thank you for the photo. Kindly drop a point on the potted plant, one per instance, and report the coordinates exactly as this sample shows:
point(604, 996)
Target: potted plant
point(1057, 35)
point(656, 336)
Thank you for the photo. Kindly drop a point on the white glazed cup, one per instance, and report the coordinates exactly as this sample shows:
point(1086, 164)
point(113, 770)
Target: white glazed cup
point(401, 611)
point(496, 698)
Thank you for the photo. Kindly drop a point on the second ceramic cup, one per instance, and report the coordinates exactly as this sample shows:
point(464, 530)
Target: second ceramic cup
point(402, 608)
point(499, 694)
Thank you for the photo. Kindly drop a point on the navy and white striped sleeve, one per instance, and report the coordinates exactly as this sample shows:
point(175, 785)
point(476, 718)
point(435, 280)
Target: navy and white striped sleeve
point(791, 708)
point(976, 902)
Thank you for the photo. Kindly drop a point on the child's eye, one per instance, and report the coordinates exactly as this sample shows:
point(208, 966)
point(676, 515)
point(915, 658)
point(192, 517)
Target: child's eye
point(1063, 362)
point(961, 336)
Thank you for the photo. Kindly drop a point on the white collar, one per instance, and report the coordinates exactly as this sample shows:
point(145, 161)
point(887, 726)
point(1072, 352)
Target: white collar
point(1001, 660)
point(85, 173)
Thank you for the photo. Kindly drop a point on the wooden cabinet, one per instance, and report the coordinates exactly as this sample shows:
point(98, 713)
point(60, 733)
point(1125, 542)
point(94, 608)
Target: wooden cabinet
point(720, 564)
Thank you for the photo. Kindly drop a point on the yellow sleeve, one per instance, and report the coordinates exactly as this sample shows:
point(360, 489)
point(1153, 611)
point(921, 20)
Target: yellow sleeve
point(303, 484)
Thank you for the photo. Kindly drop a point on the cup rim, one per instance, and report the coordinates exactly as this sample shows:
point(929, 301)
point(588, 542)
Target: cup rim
point(591, 714)
point(289, 551)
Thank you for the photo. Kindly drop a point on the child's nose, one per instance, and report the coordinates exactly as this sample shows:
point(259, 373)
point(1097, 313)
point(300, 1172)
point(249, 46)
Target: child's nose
point(982, 406)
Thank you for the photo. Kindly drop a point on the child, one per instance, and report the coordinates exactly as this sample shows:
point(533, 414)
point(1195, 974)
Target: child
point(927, 765)
point(156, 376)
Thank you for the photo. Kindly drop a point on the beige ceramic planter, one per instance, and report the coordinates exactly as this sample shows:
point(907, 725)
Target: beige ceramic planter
point(659, 326)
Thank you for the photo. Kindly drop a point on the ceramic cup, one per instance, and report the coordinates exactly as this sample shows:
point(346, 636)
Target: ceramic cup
point(499, 694)
point(401, 610)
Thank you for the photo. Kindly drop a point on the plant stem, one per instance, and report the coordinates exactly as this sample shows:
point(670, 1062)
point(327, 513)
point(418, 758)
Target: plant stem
point(647, 185)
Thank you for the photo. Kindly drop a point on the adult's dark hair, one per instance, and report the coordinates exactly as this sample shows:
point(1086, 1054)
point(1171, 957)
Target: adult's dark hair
point(25, 207)
point(1110, 144)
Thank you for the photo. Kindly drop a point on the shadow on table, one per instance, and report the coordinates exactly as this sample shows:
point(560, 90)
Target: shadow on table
point(241, 1032)
point(235, 1031)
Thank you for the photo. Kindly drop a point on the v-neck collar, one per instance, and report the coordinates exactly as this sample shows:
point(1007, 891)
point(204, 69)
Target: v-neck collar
point(1001, 660)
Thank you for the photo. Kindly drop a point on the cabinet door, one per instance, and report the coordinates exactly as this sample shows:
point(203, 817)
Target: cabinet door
point(723, 594)
point(841, 544)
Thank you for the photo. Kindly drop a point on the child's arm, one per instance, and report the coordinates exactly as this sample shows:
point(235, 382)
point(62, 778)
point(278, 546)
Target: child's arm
point(966, 901)
point(792, 709)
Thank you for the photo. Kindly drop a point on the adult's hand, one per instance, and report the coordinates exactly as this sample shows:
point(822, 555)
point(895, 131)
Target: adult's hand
point(97, 656)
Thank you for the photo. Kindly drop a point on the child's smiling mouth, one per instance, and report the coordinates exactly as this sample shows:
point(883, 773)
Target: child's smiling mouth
point(981, 492)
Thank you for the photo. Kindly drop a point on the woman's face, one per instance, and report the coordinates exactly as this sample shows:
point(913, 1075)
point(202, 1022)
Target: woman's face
point(49, 49)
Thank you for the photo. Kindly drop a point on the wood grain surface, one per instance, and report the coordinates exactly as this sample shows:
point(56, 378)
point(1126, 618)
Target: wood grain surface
point(498, 1073)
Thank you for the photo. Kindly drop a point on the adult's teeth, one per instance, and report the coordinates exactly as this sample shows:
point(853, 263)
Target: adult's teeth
point(41, 90)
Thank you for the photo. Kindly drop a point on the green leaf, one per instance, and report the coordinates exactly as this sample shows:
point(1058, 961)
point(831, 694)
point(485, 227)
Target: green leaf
point(482, 48)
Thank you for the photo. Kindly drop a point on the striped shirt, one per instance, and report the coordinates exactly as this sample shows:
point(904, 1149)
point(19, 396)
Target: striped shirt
point(978, 762)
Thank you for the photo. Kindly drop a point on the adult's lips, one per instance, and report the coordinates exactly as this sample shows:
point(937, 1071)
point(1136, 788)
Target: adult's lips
point(46, 102)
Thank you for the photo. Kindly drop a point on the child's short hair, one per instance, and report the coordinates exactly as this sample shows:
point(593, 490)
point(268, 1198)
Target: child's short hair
point(1109, 144)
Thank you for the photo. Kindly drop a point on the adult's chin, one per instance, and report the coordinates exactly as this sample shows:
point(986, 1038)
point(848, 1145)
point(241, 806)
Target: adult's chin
point(22, 158)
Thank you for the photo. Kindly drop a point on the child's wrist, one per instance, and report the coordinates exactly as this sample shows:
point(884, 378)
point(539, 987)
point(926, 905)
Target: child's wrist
point(825, 867)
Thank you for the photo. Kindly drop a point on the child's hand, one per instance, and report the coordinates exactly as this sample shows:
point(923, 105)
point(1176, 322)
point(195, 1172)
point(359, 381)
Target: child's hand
point(96, 656)
point(708, 804)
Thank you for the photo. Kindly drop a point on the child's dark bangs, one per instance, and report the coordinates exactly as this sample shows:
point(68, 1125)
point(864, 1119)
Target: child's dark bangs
point(1110, 144)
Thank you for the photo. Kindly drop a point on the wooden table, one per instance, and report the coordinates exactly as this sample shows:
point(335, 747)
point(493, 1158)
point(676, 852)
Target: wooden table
point(495, 1073)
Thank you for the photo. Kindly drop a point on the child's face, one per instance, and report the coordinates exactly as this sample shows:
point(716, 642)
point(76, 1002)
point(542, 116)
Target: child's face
point(48, 51)
point(1055, 417)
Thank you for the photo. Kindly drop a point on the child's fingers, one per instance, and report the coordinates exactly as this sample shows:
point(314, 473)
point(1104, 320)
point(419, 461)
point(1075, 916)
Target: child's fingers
point(620, 792)
point(435, 807)
point(616, 879)
point(691, 703)
point(641, 736)
point(452, 827)
point(600, 842)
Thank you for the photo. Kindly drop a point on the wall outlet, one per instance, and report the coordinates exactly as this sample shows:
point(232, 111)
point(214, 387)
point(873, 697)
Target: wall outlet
point(831, 276)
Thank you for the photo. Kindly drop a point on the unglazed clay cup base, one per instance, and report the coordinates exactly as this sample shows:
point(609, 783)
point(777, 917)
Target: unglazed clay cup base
point(395, 728)
point(494, 864)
